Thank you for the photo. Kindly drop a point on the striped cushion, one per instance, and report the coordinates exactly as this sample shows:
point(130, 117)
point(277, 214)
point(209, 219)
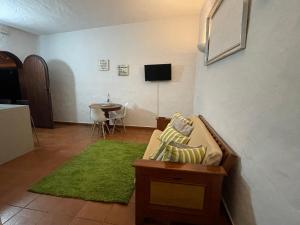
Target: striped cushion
point(184, 154)
point(170, 134)
point(159, 153)
point(181, 117)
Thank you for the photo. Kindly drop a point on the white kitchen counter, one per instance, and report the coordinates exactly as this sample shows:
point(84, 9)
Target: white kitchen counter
point(15, 132)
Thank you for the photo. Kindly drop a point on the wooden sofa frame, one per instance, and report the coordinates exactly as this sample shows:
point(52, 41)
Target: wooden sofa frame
point(208, 177)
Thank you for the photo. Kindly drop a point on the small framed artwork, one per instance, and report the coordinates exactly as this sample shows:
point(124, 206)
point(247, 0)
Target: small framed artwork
point(103, 65)
point(123, 70)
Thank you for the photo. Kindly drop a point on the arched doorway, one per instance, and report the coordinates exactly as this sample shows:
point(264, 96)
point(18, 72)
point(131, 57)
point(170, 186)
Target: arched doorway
point(27, 82)
point(10, 67)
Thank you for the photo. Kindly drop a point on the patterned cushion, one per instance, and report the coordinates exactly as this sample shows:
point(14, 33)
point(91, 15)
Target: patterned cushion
point(181, 117)
point(184, 153)
point(170, 134)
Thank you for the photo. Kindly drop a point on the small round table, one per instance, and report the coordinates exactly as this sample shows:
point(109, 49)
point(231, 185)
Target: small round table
point(107, 107)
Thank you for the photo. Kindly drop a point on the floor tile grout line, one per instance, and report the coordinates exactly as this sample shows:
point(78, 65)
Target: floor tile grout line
point(38, 210)
point(13, 216)
point(31, 201)
point(23, 207)
point(49, 213)
point(46, 212)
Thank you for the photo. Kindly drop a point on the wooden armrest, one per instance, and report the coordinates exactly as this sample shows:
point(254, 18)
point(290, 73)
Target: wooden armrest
point(162, 122)
point(179, 167)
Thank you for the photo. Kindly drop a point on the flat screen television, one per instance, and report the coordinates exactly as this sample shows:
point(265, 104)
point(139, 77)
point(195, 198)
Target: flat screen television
point(158, 72)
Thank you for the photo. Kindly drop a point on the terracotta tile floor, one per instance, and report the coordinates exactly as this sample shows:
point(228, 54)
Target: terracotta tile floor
point(19, 207)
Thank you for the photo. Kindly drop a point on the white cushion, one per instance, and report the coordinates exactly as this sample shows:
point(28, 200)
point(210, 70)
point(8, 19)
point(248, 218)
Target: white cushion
point(201, 136)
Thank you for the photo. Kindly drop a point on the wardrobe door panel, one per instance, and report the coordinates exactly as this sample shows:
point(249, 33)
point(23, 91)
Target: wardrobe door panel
point(35, 80)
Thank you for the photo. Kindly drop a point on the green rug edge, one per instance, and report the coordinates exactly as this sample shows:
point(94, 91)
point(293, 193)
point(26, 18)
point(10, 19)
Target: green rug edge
point(38, 186)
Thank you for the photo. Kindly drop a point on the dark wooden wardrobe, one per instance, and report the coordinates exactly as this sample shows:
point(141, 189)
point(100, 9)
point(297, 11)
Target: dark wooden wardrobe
point(28, 81)
point(35, 80)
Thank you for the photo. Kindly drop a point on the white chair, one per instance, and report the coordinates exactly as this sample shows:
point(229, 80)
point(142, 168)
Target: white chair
point(118, 116)
point(99, 119)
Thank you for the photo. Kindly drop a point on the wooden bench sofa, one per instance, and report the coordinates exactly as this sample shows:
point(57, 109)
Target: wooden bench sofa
point(175, 192)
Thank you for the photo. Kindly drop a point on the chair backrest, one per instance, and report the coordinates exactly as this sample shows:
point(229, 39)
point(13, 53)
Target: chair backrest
point(125, 109)
point(97, 114)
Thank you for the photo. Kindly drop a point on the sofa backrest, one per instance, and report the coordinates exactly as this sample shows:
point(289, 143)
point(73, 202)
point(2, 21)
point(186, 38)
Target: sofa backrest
point(201, 136)
point(229, 158)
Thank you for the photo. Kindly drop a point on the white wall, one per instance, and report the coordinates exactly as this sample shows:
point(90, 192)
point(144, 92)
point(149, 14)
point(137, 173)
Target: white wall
point(75, 81)
point(18, 42)
point(252, 99)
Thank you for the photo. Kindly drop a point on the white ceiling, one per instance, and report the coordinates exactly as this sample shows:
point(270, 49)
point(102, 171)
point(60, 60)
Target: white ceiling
point(53, 16)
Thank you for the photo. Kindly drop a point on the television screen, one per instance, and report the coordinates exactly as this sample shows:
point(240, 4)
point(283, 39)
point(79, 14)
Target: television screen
point(158, 72)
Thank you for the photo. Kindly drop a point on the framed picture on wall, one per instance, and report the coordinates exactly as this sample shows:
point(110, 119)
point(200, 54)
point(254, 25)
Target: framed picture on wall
point(103, 65)
point(226, 29)
point(123, 70)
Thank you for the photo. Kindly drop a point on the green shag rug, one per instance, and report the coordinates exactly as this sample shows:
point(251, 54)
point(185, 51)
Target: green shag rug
point(102, 172)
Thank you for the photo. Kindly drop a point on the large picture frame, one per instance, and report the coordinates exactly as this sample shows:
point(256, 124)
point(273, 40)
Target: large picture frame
point(226, 29)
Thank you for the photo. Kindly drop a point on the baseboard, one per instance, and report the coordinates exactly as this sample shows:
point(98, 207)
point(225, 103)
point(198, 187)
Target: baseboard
point(72, 123)
point(89, 124)
point(137, 127)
